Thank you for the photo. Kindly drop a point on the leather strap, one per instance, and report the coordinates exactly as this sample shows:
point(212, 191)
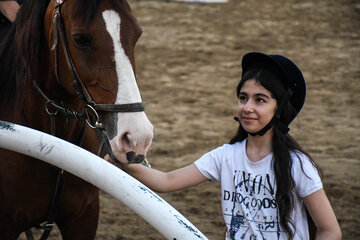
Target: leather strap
point(130, 107)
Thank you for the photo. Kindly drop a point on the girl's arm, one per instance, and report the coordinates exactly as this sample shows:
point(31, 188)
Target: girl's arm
point(165, 182)
point(9, 9)
point(323, 216)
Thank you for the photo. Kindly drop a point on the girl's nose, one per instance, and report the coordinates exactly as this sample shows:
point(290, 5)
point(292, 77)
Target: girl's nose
point(248, 107)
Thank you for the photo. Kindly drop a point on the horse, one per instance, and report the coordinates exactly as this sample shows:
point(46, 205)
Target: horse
point(67, 68)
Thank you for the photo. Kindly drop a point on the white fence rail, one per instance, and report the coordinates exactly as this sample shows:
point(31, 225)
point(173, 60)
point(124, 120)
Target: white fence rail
point(152, 208)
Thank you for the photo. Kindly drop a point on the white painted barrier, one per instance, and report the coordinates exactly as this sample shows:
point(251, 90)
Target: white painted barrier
point(152, 208)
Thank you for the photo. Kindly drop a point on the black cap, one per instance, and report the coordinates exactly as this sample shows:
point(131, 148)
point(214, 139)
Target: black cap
point(290, 74)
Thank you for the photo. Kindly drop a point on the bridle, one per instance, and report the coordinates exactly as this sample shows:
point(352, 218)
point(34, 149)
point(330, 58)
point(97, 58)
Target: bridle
point(58, 31)
point(90, 114)
point(90, 110)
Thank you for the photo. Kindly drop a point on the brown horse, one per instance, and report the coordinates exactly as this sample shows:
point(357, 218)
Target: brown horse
point(66, 65)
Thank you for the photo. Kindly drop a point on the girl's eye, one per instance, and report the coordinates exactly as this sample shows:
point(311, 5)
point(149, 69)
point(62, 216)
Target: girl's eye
point(260, 100)
point(242, 98)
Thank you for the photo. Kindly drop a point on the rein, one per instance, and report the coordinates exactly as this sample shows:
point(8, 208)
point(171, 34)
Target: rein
point(89, 114)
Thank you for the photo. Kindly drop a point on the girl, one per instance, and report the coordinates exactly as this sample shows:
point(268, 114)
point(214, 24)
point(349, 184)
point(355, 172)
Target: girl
point(269, 184)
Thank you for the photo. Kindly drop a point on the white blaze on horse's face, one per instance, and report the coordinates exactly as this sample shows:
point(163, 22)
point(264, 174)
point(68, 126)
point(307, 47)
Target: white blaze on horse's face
point(134, 130)
point(127, 88)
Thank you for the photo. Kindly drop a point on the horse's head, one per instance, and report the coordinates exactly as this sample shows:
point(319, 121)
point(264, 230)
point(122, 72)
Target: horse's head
point(100, 37)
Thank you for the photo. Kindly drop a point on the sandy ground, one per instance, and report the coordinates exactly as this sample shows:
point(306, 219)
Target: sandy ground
point(188, 65)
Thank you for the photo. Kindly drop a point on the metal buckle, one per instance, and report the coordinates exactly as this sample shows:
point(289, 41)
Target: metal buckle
point(97, 124)
point(55, 111)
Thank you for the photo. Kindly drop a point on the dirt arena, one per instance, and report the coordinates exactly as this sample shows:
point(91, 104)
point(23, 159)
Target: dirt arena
point(188, 65)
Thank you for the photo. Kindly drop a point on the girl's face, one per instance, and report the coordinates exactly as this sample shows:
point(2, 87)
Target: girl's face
point(256, 107)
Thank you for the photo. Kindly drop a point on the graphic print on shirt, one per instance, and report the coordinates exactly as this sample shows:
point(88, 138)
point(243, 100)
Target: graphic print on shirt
point(254, 213)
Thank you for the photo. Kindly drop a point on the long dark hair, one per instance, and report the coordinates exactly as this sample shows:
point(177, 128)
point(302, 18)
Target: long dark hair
point(282, 146)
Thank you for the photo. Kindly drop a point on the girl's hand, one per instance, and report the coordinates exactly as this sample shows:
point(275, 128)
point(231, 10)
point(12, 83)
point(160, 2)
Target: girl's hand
point(108, 159)
point(122, 166)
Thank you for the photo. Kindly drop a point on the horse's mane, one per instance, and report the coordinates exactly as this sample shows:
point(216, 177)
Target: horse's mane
point(21, 44)
point(20, 48)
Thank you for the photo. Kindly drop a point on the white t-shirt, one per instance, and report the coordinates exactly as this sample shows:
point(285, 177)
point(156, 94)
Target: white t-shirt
point(248, 192)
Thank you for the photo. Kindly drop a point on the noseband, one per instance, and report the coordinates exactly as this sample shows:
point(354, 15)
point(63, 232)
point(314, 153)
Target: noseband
point(90, 108)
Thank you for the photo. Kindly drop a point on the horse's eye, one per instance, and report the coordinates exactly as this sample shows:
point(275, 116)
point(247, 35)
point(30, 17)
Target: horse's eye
point(82, 40)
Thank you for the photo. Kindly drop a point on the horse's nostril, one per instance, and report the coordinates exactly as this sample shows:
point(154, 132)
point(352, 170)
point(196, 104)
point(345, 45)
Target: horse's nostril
point(126, 141)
